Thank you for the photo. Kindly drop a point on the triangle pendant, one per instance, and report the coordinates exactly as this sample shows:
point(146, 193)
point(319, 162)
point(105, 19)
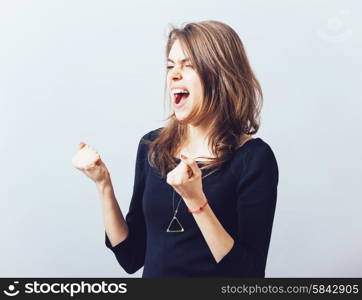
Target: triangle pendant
point(178, 227)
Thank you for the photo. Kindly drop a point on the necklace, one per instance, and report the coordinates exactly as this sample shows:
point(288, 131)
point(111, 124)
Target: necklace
point(174, 218)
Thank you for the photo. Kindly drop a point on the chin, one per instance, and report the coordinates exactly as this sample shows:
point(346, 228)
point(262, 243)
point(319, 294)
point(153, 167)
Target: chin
point(180, 116)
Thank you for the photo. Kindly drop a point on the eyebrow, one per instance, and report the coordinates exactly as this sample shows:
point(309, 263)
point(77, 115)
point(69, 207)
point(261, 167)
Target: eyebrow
point(182, 60)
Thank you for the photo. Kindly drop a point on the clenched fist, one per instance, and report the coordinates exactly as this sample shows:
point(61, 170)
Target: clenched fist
point(186, 180)
point(89, 162)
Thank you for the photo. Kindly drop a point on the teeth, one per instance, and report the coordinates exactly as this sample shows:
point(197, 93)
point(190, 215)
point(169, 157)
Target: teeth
point(176, 91)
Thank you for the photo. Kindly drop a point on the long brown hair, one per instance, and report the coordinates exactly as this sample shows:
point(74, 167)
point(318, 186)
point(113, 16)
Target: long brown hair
point(232, 95)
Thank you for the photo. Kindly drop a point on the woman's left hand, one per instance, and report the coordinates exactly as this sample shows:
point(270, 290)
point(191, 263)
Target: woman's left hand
point(186, 180)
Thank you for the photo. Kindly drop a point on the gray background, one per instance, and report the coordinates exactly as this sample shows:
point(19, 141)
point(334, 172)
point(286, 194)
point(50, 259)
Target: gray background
point(93, 71)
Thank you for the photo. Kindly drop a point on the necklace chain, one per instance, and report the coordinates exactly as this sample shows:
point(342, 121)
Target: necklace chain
point(174, 218)
point(173, 203)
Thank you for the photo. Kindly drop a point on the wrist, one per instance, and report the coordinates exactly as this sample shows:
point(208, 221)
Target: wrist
point(104, 184)
point(195, 204)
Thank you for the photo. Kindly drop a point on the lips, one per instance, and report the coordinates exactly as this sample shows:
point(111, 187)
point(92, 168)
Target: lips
point(179, 95)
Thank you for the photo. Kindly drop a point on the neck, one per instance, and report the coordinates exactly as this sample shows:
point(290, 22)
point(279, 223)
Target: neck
point(198, 136)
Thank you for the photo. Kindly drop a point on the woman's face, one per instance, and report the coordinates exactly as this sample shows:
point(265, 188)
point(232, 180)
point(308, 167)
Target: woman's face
point(181, 76)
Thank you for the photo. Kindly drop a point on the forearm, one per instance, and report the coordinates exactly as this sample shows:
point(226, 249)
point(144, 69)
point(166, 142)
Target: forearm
point(114, 222)
point(216, 237)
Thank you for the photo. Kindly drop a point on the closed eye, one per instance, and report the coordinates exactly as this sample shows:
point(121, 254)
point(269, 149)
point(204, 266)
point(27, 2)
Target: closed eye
point(170, 67)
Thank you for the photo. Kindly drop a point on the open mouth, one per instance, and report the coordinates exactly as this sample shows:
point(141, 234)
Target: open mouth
point(180, 96)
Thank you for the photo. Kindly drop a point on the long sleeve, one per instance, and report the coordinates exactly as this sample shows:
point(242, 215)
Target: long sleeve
point(256, 190)
point(130, 253)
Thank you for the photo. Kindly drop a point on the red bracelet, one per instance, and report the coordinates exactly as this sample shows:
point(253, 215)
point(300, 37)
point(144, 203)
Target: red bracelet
point(198, 209)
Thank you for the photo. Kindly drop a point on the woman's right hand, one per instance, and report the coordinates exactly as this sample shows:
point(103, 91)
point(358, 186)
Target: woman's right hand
point(90, 163)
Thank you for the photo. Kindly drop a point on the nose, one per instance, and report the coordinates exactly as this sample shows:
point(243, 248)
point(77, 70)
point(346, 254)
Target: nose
point(176, 73)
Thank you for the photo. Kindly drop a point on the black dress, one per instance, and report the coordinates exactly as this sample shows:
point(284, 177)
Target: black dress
point(243, 197)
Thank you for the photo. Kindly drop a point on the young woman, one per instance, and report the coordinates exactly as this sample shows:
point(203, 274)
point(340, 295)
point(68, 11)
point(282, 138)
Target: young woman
point(205, 190)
